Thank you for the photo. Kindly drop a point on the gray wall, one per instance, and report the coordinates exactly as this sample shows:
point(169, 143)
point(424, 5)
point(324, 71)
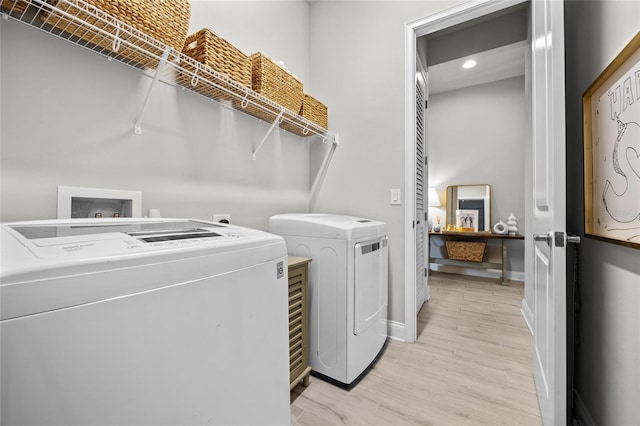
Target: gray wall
point(357, 63)
point(67, 119)
point(607, 378)
point(476, 136)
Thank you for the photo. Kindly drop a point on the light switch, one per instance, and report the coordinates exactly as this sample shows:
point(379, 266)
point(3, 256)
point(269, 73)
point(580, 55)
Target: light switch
point(396, 197)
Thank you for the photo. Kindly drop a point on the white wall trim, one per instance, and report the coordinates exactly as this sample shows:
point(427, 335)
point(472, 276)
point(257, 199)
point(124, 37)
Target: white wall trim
point(410, 314)
point(582, 414)
point(527, 314)
point(460, 13)
point(396, 331)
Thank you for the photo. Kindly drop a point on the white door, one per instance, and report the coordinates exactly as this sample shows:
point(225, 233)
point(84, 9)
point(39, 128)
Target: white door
point(421, 202)
point(548, 215)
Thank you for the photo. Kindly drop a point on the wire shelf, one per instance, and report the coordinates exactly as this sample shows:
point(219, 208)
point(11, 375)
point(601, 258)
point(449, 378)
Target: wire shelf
point(86, 26)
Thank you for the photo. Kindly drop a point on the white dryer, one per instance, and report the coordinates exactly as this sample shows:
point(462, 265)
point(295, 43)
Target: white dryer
point(348, 279)
point(142, 321)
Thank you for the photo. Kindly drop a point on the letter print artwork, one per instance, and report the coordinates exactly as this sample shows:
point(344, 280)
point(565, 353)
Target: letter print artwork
point(615, 149)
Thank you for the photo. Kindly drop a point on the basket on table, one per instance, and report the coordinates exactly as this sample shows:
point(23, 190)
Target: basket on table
point(215, 53)
point(472, 251)
point(274, 83)
point(165, 22)
point(312, 110)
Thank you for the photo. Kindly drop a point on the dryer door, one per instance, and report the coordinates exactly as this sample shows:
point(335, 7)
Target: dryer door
point(370, 283)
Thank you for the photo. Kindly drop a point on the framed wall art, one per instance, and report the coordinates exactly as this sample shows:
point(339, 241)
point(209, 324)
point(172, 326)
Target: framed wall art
point(611, 120)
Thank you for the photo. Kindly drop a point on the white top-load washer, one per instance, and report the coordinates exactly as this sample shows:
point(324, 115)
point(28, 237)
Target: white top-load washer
point(348, 279)
point(142, 321)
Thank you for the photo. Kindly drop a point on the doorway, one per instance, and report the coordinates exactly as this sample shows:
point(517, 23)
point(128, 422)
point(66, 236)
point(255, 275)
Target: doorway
point(545, 196)
point(455, 23)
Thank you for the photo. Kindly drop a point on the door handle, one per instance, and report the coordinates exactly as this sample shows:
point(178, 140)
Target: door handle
point(559, 238)
point(547, 238)
point(573, 239)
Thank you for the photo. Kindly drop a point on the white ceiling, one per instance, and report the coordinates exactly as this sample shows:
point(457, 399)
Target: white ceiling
point(492, 65)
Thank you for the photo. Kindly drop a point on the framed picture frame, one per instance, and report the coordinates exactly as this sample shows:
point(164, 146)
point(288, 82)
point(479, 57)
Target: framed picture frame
point(467, 218)
point(611, 133)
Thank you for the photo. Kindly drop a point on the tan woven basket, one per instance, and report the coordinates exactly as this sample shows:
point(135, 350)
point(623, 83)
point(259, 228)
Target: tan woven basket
point(15, 6)
point(466, 250)
point(166, 21)
point(275, 83)
point(314, 111)
point(218, 54)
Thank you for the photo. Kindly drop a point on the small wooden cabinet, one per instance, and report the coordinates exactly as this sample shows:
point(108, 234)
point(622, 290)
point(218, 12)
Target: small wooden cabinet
point(299, 369)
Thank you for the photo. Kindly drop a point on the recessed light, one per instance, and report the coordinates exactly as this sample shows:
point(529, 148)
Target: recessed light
point(469, 64)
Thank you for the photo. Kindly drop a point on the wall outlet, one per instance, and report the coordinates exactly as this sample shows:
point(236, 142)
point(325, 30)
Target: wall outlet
point(222, 218)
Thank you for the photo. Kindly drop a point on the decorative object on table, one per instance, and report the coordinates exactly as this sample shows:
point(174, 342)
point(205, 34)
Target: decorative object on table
point(500, 228)
point(469, 197)
point(611, 121)
point(512, 224)
point(433, 201)
point(467, 220)
point(436, 227)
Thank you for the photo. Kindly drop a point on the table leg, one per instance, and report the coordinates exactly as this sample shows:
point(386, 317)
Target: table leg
point(503, 279)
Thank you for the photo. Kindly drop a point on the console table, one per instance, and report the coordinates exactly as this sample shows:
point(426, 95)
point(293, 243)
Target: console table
point(477, 237)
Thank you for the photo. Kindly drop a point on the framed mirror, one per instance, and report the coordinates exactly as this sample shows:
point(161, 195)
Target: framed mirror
point(469, 206)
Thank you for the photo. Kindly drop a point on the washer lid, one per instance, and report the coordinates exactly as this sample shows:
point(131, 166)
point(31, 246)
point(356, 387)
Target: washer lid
point(326, 226)
point(37, 248)
point(50, 265)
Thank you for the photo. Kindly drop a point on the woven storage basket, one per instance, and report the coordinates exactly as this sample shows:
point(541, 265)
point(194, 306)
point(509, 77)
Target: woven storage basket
point(165, 21)
point(218, 54)
point(313, 110)
point(15, 6)
point(274, 83)
point(466, 250)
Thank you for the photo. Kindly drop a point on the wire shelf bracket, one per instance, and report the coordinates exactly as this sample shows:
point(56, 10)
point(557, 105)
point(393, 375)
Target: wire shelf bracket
point(273, 125)
point(323, 167)
point(137, 127)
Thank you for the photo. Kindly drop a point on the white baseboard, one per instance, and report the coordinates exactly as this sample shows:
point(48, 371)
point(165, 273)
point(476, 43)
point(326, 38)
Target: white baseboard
point(396, 331)
point(582, 414)
point(477, 272)
point(527, 314)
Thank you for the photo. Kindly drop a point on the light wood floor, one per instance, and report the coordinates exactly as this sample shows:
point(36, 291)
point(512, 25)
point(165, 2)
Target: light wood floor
point(471, 364)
